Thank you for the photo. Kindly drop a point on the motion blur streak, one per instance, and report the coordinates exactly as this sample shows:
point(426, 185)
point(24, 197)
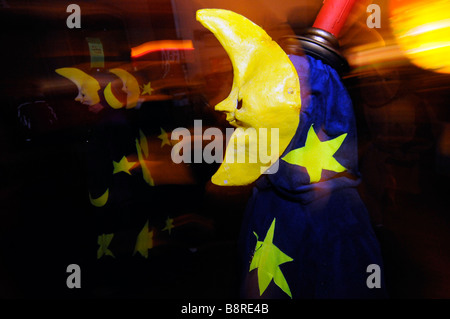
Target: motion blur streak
point(153, 46)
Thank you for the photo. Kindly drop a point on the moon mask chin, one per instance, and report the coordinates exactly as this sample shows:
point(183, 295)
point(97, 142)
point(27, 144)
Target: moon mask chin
point(264, 103)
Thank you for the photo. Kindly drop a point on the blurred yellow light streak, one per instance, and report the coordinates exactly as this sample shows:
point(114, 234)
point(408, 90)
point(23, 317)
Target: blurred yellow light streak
point(422, 31)
point(428, 27)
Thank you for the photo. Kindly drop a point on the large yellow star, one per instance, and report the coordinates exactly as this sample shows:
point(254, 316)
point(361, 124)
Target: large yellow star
point(103, 241)
point(123, 166)
point(164, 137)
point(267, 259)
point(317, 155)
point(147, 89)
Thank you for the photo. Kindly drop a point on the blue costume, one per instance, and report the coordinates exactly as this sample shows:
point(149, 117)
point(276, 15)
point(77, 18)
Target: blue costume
point(320, 233)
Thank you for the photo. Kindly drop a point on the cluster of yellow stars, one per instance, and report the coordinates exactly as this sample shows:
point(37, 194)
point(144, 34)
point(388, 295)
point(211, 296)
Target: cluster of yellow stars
point(315, 156)
point(144, 240)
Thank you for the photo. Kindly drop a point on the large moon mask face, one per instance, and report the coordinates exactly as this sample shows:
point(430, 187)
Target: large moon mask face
point(264, 103)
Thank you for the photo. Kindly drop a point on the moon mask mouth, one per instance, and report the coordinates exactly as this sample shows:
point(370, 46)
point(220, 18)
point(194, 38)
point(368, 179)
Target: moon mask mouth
point(264, 102)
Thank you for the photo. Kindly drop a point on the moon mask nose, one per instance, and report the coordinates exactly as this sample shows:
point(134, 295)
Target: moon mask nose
point(79, 97)
point(230, 104)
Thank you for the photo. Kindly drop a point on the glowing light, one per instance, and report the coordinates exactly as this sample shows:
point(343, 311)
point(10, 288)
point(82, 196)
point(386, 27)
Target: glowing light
point(422, 30)
point(153, 46)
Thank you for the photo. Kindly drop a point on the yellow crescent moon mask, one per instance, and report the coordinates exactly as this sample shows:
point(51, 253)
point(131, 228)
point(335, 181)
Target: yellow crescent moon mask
point(111, 98)
point(264, 98)
point(130, 86)
point(88, 86)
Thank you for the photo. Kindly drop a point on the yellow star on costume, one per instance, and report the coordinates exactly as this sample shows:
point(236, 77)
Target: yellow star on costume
point(317, 155)
point(104, 240)
point(147, 89)
point(169, 224)
point(144, 241)
point(123, 166)
point(164, 137)
point(267, 259)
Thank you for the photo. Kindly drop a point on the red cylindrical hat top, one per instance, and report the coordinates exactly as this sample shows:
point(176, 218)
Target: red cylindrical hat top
point(333, 15)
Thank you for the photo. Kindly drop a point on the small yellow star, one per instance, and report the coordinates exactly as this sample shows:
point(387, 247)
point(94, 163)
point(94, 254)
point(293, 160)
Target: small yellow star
point(144, 241)
point(147, 89)
point(123, 166)
point(103, 241)
point(143, 143)
point(164, 137)
point(169, 224)
point(317, 155)
point(140, 150)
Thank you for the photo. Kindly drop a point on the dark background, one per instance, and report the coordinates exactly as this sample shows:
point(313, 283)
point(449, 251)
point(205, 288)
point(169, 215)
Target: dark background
point(47, 222)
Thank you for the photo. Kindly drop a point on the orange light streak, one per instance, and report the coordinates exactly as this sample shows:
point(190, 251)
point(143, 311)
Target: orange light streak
point(153, 46)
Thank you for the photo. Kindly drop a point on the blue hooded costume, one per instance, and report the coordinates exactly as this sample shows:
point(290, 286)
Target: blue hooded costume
point(312, 240)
